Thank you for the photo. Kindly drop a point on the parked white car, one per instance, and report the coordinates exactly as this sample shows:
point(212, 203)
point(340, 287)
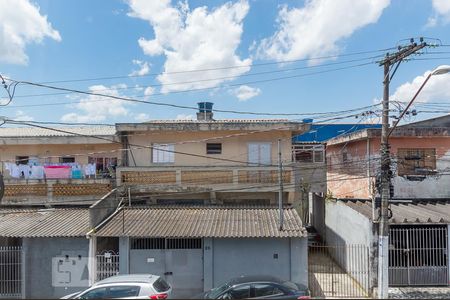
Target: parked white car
point(134, 286)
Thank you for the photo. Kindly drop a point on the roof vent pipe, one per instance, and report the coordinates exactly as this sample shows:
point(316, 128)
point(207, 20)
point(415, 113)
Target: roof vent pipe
point(205, 111)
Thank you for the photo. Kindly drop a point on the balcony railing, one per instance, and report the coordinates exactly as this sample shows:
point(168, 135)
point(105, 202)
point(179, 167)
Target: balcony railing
point(55, 191)
point(204, 176)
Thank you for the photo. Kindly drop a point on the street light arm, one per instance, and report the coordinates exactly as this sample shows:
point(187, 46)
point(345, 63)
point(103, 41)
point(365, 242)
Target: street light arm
point(409, 104)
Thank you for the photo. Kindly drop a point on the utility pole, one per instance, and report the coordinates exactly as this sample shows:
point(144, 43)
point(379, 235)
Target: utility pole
point(280, 182)
point(383, 232)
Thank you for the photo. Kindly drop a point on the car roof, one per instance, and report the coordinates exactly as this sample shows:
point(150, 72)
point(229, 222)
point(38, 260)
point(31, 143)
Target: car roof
point(254, 278)
point(140, 278)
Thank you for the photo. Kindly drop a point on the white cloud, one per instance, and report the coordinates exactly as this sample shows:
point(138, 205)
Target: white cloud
point(97, 108)
point(317, 28)
point(22, 116)
point(144, 68)
point(245, 92)
point(192, 40)
point(436, 89)
point(22, 24)
point(441, 13)
point(149, 91)
point(184, 117)
point(142, 117)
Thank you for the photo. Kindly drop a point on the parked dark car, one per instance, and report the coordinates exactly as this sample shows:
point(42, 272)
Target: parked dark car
point(257, 286)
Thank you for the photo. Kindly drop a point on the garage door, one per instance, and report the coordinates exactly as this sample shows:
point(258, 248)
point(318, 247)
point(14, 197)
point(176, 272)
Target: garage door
point(179, 261)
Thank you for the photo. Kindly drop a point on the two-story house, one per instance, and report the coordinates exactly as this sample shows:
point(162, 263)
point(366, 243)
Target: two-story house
point(207, 161)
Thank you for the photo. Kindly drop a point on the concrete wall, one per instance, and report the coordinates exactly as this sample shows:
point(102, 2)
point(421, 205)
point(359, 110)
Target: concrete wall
point(234, 148)
point(318, 214)
point(284, 258)
point(103, 208)
point(346, 226)
point(43, 279)
point(312, 175)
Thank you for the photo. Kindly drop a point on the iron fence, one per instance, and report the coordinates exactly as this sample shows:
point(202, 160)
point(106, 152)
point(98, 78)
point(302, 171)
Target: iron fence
point(418, 255)
point(339, 271)
point(10, 272)
point(107, 264)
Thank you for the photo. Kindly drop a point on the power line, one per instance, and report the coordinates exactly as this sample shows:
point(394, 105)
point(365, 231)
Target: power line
point(129, 99)
point(221, 68)
point(233, 77)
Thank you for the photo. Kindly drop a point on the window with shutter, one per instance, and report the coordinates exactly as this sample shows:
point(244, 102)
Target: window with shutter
point(163, 153)
point(259, 153)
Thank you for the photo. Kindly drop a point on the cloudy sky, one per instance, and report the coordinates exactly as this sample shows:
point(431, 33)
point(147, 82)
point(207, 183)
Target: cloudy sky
point(247, 55)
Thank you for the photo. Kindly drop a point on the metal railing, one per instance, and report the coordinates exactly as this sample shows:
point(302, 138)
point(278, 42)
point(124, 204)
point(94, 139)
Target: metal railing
point(418, 255)
point(340, 271)
point(202, 175)
point(107, 265)
point(10, 272)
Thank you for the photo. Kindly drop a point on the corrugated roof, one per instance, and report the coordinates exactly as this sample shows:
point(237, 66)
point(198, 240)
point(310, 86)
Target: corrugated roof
point(44, 222)
point(222, 121)
point(414, 212)
point(6, 132)
point(196, 222)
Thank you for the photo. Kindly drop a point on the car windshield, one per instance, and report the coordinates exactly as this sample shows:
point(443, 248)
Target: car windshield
point(214, 293)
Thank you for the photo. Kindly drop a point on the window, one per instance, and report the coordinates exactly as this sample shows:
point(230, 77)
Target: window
point(163, 153)
point(104, 165)
point(266, 289)
point(98, 293)
point(22, 160)
point(412, 161)
point(123, 291)
point(308, 153)
point(213, 148)
point(240, 292)
point(259, 153)
point(68, 159)
point(345, 158)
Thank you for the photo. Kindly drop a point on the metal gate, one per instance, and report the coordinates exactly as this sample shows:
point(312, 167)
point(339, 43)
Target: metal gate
point(418, 255)
point(107, 264)
point(339, 271)
point(10, 272)
point(179, 261)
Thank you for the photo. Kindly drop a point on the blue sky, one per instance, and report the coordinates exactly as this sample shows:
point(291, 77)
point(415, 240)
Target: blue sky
point(157, 41)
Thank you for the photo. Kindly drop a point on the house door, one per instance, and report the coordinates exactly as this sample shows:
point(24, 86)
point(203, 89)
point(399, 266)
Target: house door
point(178, 261)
